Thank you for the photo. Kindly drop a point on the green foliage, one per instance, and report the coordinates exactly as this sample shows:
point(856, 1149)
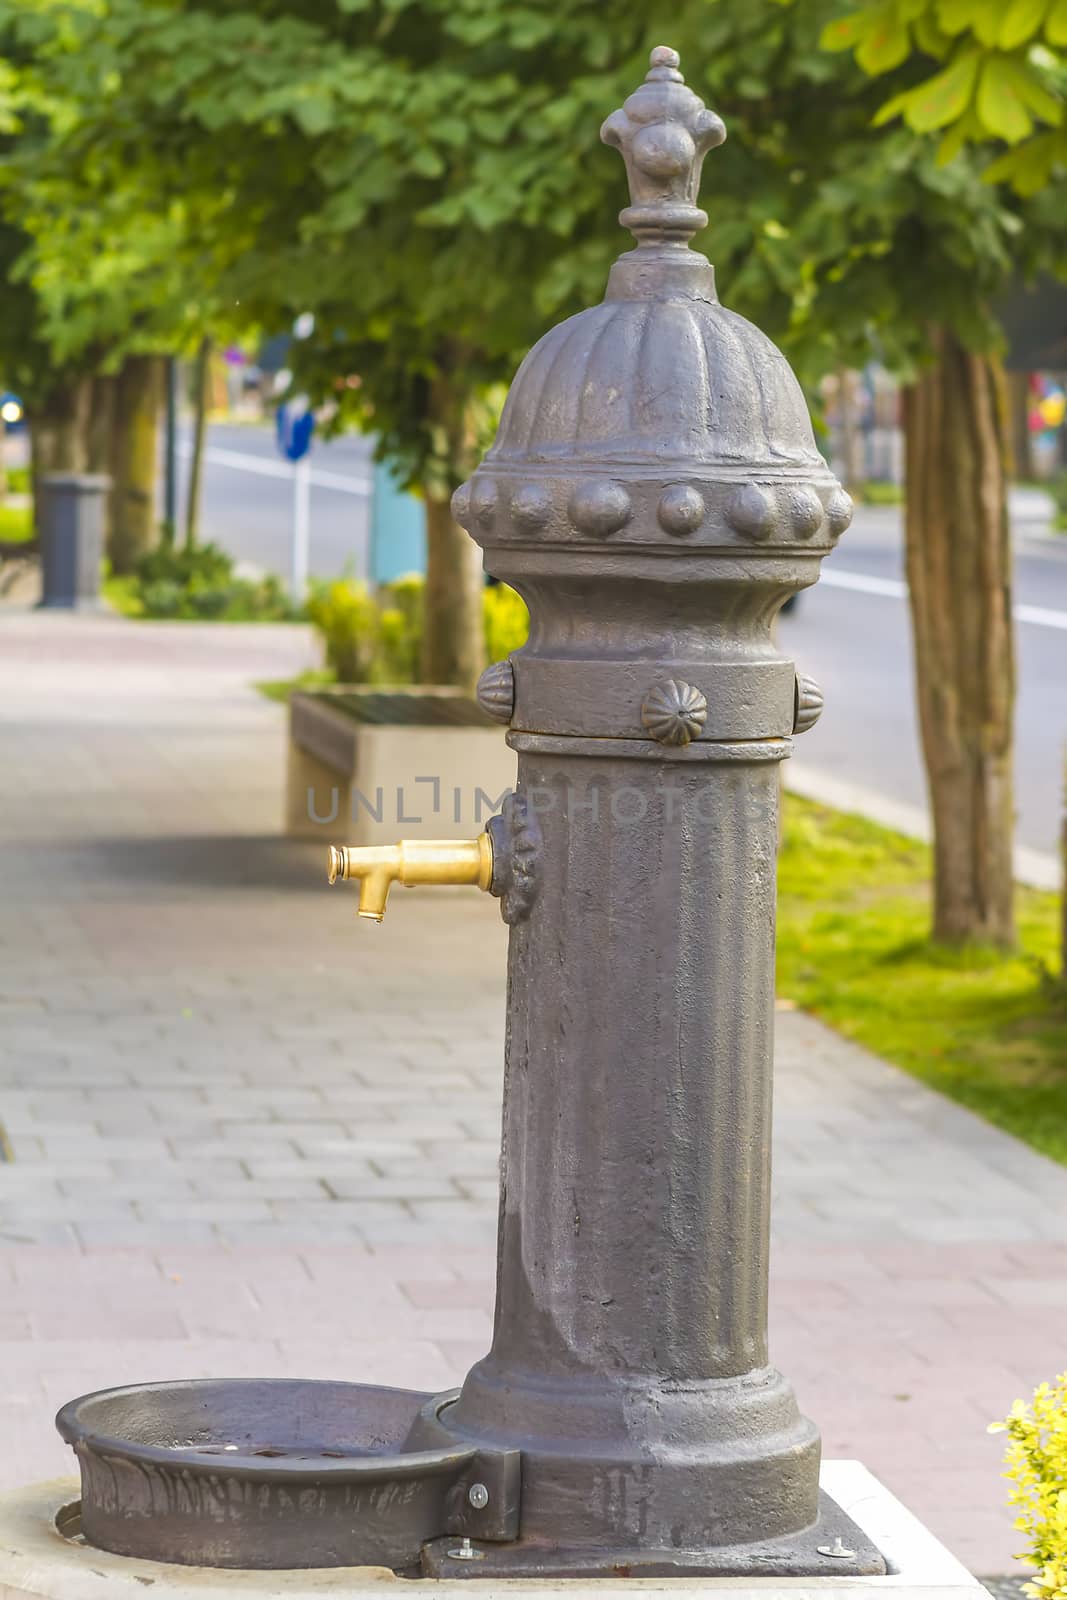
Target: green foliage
point(986, 1029)
point(1057, 488)
point(378, 638)
point(16, 524)
point(197, 585)
point(990, 70)
point(102, 254)
point(1036, 1463)
point(280, 689)
point(400, 627)
point(346, 615)
point(877, 493)
point(507, 621)
point(427, 179)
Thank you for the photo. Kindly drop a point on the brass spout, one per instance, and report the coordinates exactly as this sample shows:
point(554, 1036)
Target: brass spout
point(411, 861)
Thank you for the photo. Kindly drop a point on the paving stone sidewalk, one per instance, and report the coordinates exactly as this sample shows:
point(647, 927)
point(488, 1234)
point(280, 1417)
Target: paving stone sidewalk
point(251, 1135)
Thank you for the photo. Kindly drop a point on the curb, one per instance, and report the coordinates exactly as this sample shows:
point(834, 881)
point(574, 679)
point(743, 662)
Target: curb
point(1033, 868)
point(1047, 541)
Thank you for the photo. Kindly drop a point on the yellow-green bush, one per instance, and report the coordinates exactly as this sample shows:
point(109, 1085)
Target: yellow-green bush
point(345, 614)
point(378, 639)
point(16, 524)
point(507, 621)
point(1036, 1464)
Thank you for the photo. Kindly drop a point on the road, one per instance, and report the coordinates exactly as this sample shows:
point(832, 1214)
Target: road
point(851, 633)
point(247, 499)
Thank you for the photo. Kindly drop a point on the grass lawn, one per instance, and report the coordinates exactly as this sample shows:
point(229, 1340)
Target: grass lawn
point(987, 1030)
point(281, 688)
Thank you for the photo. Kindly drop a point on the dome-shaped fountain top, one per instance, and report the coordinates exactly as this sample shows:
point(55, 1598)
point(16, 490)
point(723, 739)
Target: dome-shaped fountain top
point(659, 389)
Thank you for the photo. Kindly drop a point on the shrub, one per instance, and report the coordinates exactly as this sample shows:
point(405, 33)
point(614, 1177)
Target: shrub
point(379, 640)
point(507, 621)
point(198, 585)
point(1057, 488)
point(878, 492)
point(369, 640)
point(1036, 1463)
point(16, 525)
point(401, 629)
point(344, 613)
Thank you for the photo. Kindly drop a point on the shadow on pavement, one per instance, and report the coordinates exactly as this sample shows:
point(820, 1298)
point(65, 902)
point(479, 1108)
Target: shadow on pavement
point(190, 862)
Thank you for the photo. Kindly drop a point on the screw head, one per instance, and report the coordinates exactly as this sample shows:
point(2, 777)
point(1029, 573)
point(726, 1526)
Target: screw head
point(478, 1495)
point(465, 1551)
point(839, 1549)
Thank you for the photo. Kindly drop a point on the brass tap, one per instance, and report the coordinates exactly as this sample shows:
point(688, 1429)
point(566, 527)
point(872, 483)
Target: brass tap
point(411, 861)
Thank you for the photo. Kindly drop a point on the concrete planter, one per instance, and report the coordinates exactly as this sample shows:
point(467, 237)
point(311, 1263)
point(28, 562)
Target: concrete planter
point(372, 765)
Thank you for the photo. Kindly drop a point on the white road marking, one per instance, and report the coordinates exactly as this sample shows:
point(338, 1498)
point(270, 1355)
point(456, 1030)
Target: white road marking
point(242, 461)
point(1041, 617)
point(893, 589)
point(833, 577)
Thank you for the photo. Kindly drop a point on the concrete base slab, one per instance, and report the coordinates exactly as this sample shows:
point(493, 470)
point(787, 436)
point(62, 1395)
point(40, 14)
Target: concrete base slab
point(38, 1562)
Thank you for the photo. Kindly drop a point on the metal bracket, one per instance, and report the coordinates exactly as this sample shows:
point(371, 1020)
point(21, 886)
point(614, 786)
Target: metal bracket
point(483, 1502)
point(516, 839)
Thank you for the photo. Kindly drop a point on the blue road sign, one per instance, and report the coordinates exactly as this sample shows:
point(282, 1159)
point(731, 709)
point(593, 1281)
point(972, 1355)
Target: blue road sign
point(295, 424)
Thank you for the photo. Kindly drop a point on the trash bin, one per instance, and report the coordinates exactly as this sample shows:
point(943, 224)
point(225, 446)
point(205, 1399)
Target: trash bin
point(72, 539)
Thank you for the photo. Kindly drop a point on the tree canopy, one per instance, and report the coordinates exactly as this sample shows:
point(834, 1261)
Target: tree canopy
point(425, 175)
point(991, 70)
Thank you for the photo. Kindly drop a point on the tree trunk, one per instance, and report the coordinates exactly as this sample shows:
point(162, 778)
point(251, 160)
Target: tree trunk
point(138, 393)
point(170, 453)
point(100, 438)
point(201, 400)
point(453, 640)
point(959, 577)
point(59, 435)
point(101, 424)
point(851, 440)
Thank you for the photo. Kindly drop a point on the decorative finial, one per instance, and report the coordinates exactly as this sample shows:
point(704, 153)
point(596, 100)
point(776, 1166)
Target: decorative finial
point(664, 132)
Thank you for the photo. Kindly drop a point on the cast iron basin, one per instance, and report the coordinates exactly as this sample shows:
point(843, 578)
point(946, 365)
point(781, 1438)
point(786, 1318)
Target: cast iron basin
point(262, 1473)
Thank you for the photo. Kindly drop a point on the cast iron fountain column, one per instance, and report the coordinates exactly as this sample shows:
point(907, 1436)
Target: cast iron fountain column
point(655, 494)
